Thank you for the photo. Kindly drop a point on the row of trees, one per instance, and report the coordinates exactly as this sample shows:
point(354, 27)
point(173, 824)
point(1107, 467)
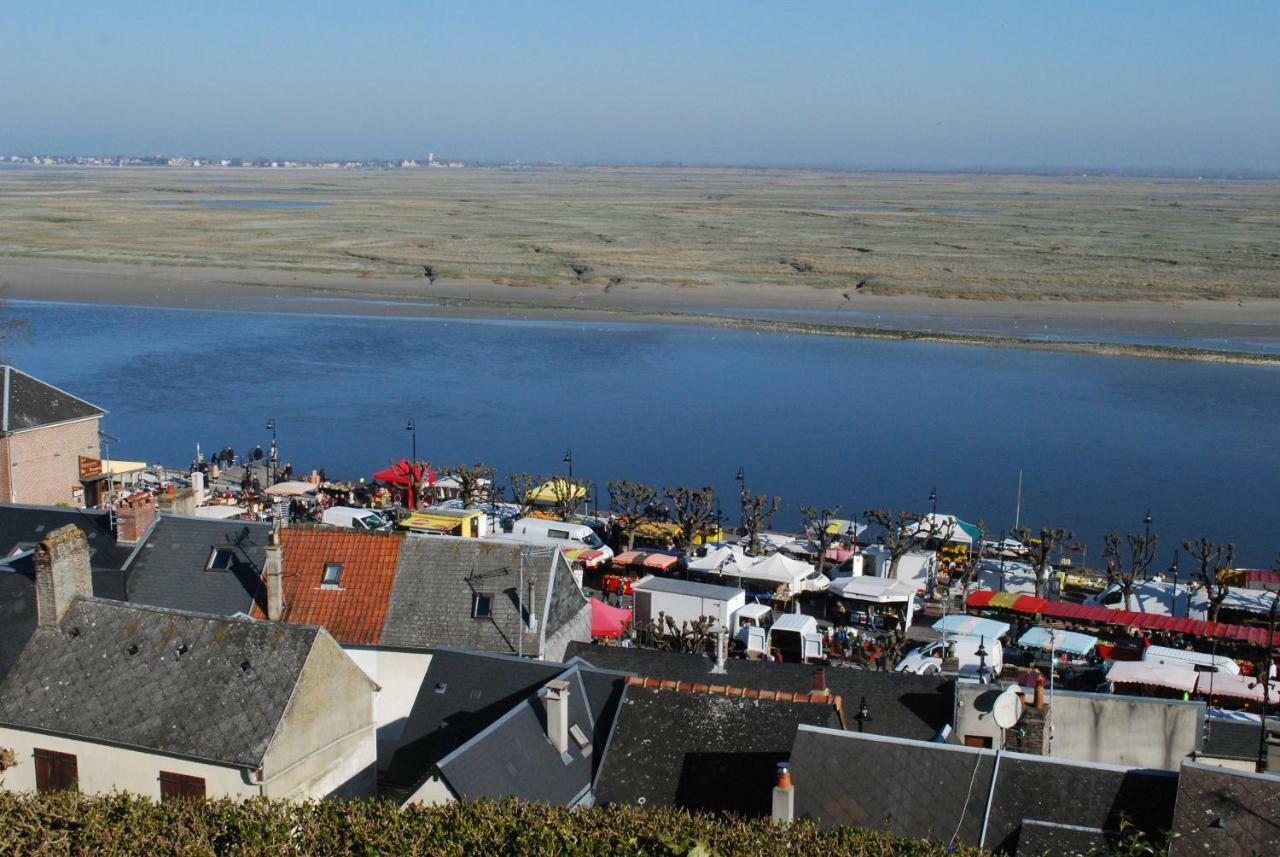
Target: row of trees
point(1129, 558)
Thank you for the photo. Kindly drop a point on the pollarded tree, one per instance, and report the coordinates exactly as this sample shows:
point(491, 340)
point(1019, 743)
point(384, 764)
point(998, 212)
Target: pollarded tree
point(522, 488)
point(905, 530)
point(815, 527)
point(1128, 567)
point(1211, 560)
point(973, 561)
point(472, 479)
point(632, 503)
point(756, 512)
point(693, 510)
point(1041, 548)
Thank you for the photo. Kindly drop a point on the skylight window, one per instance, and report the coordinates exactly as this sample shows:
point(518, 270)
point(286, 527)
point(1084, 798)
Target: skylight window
point(481, 605)
point(221, 559)
point(332, 575)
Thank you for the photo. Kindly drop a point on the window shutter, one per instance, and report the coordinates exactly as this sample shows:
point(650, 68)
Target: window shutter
point(180, 786)
point(56, 771)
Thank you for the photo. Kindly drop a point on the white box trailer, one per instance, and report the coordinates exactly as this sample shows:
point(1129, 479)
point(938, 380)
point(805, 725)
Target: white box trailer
point(685, 600)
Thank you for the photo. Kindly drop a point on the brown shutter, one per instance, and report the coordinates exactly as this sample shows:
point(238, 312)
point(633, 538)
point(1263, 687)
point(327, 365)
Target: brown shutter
point(180, 786)
point(56, 771)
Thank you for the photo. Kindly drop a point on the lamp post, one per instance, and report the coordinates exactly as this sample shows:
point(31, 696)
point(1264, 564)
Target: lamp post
point(933, 499)
point(271, 457)
point(1146, 523)
point(1265, 678)
point(864, 714)
point(573, 491)
point(741, 479)
point(412, 428)
point(1173, 567)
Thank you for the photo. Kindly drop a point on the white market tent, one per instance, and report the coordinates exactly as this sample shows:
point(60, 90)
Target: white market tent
point(1153, 674)
point(878, 590)
point(1236, 686)
point(1058, 640)
point(291, 489)
point(948, 528)
point(775, 568)
point(971, 626)
point(1190, 660)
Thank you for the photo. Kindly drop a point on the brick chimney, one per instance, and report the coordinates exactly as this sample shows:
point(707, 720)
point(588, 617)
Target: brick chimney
point(820, 681)
point(784, 797)
point(557, 702)
point(62, 573)
point(134, 516)
point(273, 571)
point(1032, 734)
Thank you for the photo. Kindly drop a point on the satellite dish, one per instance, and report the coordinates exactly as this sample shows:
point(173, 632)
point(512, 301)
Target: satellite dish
point(1007, 709)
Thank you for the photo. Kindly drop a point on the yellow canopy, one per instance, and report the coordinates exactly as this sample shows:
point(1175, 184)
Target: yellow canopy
point(658, 530)
point(433, 523)
point(119, 468)
point(553, 490)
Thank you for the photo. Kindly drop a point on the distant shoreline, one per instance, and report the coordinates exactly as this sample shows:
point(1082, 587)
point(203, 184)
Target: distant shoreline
point(266, 291)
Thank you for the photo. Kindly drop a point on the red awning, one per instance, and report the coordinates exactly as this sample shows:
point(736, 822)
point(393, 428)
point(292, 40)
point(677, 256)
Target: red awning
point(607, 620)
point(399, 474)
point(1029, 604)
point(980, 598)
point(660, 561)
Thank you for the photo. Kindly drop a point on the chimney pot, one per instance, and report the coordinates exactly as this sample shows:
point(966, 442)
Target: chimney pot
point(556, 699)
point(784, 797)
point(273, 571)
point(62, 572)
point(1039, 697)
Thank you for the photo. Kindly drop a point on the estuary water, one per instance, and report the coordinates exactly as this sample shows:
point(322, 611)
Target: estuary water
point(817, 420)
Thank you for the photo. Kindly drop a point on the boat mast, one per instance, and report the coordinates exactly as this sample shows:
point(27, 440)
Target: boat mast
point(1017, 515)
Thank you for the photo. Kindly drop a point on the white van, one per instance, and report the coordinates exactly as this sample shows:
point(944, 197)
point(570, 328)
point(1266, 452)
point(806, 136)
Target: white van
point(354, 519)
point(540, 531)
point(954, 654)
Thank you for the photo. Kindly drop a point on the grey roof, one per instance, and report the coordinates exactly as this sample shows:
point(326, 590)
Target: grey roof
point(701, 751)
point(513, 757)
point(462, 694)
point(688, 587)
point(905, 706)
point(1226, 739)
point(1225, 813)
point(114, 673)
point(940, 791)
point(436, 579)
point(171, 568)
point(17, 610)
point(27, 402)
point(23, 527)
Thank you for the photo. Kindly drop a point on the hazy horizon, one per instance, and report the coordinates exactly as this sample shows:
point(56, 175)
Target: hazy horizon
point(1146, 88)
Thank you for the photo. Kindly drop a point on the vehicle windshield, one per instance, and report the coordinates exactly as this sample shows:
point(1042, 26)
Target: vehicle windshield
point(370, 522)
point(593, 540)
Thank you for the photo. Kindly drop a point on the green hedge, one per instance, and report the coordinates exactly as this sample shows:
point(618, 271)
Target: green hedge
point(70, 823)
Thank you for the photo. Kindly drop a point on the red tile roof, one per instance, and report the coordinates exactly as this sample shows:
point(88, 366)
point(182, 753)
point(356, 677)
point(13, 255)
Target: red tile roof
point(354, 612)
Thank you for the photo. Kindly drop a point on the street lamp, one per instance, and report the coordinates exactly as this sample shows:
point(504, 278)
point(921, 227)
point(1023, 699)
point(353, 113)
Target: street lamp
point(1264, 678)
point(741, 479)
point(271, 458)
point(864, 714)
point(412, 428)
point(1173, 567)
point(933, 500)
point(1146, 522)
point(568, 459)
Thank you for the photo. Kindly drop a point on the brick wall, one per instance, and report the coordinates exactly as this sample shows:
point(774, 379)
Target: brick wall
point(44, 463)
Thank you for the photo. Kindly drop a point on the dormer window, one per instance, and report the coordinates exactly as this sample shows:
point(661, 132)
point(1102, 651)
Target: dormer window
point(221, 559)
point(332, 575)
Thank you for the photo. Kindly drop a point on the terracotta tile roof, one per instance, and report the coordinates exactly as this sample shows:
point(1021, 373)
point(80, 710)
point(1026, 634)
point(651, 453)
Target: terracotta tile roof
point(354, 611)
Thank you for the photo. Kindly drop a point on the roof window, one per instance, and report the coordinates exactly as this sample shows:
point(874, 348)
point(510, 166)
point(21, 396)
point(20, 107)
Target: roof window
point(481, 605)
point(221, 559)
point(332, 575)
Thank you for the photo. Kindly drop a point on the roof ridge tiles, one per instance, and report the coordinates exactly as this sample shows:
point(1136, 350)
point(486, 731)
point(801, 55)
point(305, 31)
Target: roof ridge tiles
point(816, 698)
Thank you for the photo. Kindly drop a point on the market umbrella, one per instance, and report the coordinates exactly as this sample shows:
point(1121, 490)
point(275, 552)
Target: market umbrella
point(402, 473)
point(606, 620)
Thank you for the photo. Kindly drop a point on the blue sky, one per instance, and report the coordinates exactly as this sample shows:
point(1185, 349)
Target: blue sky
point(1134, 84)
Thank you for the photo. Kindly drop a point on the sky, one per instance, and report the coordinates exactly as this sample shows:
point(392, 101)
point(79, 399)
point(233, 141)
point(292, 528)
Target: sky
point(1146, 85)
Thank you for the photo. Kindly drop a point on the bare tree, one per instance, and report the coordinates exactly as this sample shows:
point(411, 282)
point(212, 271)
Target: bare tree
point(692, 510)
point(1041, 548)
point(567, 495)
point(471, 481)
point(907, 529)
point(756, 512)
point(1211, 560)
point(631, 502)
point(522, 488)
point(1128, 568)
point(972, 561)
point(815, 526)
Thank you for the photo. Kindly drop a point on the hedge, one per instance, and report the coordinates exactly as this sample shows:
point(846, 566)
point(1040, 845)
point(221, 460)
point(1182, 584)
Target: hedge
point(71, 823)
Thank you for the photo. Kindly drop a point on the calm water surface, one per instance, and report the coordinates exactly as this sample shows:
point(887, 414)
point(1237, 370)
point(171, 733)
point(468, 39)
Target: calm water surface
point(817, 420)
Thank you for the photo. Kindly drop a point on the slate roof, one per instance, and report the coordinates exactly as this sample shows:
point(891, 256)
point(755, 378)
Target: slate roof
point(355, 611)
point(513, 757)
point(17, 610)
point(940, 792)
point(23, 527)
point(700, 750)
point(904, 706)
point(462, 694)
point(114, 673)
point(1245, 808)
point(437, 578)
point(172, 567)
point(27, 402)
point(1225, 739)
